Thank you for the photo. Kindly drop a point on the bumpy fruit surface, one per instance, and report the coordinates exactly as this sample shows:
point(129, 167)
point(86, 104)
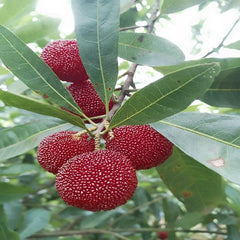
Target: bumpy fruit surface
point(142, 144)
point(56, 149)
point(62, 56)
point(99, 180)
point(88, 99)
point(162, 235)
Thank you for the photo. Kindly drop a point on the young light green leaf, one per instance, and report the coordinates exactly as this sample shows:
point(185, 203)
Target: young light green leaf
point(10, 192)
point(211, 139)
point(234, 45)
point(125, 5)
point(167, 96)
point(34, 220)
point(147, 49)
point(199, 188)
point(96, 27)
point(20, 139)
point(13, 10)
point(35, 30)
point(32, 70)
point(33, 105)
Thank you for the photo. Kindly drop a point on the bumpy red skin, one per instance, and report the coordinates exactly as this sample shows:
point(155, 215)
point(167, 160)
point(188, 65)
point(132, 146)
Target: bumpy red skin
point(62, 56)
point(56, 149)
point(162, 235)
point(95, 181)
point(88, 99)
point(142, 144)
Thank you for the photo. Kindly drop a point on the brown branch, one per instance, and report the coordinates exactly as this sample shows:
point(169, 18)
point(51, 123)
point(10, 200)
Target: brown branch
point(220, 45)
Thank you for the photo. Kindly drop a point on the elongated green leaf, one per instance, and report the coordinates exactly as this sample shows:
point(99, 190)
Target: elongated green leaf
point(96, 26)
point(167, 96)
point(171, 6)
point(5, 233)
point(225, 63)
point(20, 139)
point(33, 105)
point(9, 192)
point(225, 90)
point(17, 169)
point(211, 139)
point(199, 188)
point(234, 45)
point(34, 221)
point(12, 10)
point(147, 49)
point(30, 69)
point(33, 31)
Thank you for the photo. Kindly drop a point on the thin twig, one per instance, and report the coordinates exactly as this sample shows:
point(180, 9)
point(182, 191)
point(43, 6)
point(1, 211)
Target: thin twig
point(221, 44)
point(132, 27)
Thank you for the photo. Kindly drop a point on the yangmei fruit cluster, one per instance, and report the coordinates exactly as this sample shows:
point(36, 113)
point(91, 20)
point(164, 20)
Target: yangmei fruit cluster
point(86, 177)
point(62, 56)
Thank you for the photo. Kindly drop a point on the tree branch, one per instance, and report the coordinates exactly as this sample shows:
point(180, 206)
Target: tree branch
point(220, 45)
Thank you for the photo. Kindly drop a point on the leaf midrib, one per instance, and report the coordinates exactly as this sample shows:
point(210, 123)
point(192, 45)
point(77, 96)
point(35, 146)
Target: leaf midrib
point(201, 134)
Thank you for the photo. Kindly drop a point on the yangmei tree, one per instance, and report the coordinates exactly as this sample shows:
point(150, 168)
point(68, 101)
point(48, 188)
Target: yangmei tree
point(195, 184)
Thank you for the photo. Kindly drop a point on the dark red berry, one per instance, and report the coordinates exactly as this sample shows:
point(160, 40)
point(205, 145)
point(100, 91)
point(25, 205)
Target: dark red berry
point(88, 99)
point(142, 144)
point(162, 235)
point(56, 149)
point(62, 56)
point(99, 180)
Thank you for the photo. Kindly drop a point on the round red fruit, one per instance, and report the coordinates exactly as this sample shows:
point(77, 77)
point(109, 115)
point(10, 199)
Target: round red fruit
point(162, 235)
point(99, 180)
point(56, 149)
point(88, 99)
point(142, 144)
point(62, 56)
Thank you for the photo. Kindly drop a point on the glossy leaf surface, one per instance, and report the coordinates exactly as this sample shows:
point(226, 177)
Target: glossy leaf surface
point(147, 49)
point(211, 139)
point(161, 99)
point(96, 27)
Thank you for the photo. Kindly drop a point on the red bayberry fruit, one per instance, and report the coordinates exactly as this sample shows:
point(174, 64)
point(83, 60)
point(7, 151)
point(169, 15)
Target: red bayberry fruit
point(99, 180)
point(62, 56)
point(88, 99)
point(142, 144)
point(56, 149)
point(162, 235)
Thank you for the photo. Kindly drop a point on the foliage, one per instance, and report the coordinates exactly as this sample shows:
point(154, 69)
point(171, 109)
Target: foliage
point(193, 195)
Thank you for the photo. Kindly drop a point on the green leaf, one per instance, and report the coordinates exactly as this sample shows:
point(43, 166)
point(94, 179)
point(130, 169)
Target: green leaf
point(13, 210)
point(171, 6)
point(20, 139)
point(33, 105)
point(234, 45)
point(189, 220)
point(225, 63)
point(147, 49)
point(211, 139)
point(33, 71)
point(167, 96)
point(5, 233)
point(199, 188)
point(12, 10)
point(96, 26)
point(17, 169)
point(225, 90)
point(33, 31)
point(9, 192)
point(34, 220)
